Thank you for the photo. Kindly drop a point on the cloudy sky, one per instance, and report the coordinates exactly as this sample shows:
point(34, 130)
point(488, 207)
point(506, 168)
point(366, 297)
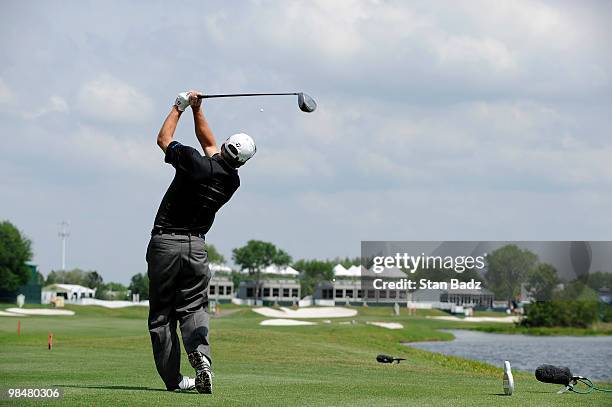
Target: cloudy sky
point(437, 121)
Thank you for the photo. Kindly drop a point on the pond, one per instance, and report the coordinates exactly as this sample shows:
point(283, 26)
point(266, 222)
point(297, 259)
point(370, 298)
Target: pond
point(589, 356)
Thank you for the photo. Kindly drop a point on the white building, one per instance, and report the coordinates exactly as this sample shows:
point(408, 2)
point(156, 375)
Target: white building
point(72, 293)
point(277, 291)
point(220, 289)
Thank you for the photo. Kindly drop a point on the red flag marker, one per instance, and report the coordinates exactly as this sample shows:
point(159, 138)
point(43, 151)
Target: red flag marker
point(50, 340)
point(18, 327)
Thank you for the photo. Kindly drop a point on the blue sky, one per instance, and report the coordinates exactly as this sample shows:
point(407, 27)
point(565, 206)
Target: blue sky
point(437, 120)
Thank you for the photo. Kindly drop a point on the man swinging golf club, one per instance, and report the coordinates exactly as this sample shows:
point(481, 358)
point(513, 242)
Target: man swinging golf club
point(176, 255)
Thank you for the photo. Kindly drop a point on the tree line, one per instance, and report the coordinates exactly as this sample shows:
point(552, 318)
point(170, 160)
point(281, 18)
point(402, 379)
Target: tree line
point(254, 257)
point(509, 270)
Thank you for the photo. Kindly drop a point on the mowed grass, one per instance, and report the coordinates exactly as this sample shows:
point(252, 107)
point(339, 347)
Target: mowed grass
point(103, 357)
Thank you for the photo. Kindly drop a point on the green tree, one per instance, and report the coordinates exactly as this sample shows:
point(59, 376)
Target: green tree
point(112, 291)
point(74, 276)
point(606, 313)
point(213, 255)
point(86, 278)
point(256, 256)
point(40, 279)
point(52, 278)
point(599, 280)
point(139, 284)
point(118, 287)
point(577, 290)
point(581, 314)
point(542, 281)
point(507, 268)
point(313, 272)
point(93, 279)
point(238, 277)
point(15, 251)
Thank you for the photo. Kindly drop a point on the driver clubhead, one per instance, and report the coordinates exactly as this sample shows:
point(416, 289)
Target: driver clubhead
point(306, 103)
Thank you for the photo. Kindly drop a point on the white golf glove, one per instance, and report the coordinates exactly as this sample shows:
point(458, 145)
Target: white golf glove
point(182, 101)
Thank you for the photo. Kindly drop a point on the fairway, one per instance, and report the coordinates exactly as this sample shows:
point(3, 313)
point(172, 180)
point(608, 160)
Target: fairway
point(103, 357)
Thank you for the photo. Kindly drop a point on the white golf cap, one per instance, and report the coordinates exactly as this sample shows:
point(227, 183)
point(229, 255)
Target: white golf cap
point(240, 147)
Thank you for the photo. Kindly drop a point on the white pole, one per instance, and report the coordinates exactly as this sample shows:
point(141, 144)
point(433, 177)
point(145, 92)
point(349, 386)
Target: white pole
point(63, 234)
point(63, 253)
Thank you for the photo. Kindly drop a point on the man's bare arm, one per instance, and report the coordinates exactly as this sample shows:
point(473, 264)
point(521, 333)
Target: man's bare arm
point(166, 133)
point(202, 130)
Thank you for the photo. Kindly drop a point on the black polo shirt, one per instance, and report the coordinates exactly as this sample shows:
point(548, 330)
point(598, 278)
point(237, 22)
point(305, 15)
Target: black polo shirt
point(201, 186)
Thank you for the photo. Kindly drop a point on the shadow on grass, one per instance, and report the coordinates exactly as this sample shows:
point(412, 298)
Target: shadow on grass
point(111, 387)
point(530, 392)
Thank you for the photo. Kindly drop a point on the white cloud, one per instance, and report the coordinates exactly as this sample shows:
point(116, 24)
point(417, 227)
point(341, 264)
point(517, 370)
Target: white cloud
point(290, 164)
point(55, 104)
point(5, 93)
point(476, 54)
point(15, 103)
point(110, 99)
point(432, 121)
point(520, 144)
point(95, 148)
point(470, 48)
point(58, 104)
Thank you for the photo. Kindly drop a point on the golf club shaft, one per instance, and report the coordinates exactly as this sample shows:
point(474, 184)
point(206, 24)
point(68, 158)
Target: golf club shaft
point(243, 94)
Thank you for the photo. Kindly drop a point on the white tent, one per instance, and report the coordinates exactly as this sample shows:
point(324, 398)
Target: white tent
point(220, 268)
point(285, 271)
point(387, 272)
point(353, 271)
point(70, 292)
point(339, 270)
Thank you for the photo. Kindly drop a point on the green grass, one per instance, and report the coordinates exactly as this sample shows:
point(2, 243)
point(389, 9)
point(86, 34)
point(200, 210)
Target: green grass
point(490, 314)
point(599, 329)
point(103, 357)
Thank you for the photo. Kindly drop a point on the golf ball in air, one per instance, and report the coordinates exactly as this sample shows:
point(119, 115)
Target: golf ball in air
point(261, 109)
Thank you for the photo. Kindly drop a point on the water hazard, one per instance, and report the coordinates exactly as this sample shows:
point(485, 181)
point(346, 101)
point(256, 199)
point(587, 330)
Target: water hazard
point(589, 356)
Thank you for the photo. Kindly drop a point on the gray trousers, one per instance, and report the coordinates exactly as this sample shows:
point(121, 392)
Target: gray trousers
point(178, 292)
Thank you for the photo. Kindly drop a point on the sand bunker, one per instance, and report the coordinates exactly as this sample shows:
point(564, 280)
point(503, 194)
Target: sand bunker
point(310, 312)
point(10, 314)
point(39, 311)
point(285, 322)
point(510, 319)
point(113, 303)
point(388, 325)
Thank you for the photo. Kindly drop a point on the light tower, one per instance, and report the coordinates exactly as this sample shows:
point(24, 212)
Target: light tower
point(63, 234)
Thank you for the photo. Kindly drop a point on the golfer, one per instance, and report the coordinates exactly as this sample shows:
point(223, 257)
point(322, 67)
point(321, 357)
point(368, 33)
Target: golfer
point(176, 255)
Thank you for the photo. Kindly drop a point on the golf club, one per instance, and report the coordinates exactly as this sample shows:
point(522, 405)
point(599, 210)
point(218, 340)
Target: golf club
point(305, 102)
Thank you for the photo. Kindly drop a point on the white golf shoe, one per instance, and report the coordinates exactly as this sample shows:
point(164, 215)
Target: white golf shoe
point(186, 384)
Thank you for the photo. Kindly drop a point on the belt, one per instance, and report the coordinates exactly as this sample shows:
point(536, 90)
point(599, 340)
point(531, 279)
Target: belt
point(159, 231)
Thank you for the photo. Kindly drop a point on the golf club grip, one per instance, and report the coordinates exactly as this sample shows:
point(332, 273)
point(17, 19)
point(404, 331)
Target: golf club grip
point(243, 94)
